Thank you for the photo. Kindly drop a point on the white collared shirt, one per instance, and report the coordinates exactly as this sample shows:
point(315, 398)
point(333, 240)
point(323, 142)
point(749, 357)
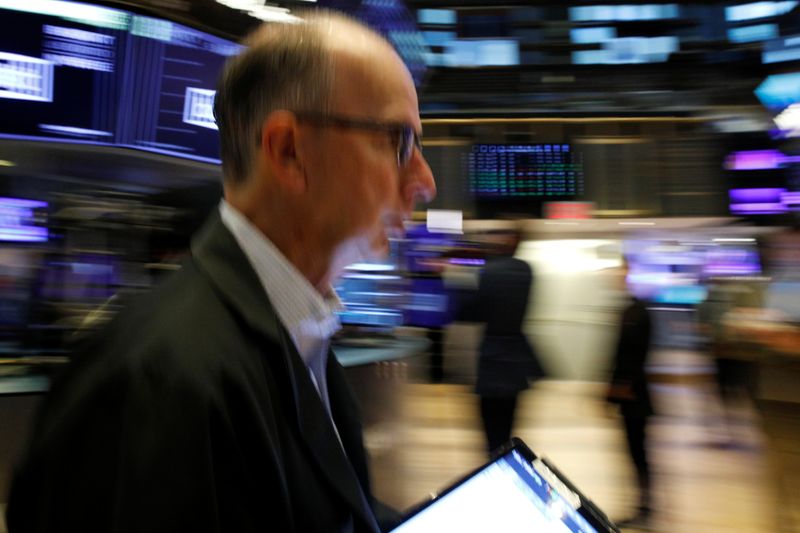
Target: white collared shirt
point(309, 318)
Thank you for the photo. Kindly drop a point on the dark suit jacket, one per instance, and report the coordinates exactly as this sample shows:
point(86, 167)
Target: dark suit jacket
point(507, 360)
point(630, 358)
point(192, 411)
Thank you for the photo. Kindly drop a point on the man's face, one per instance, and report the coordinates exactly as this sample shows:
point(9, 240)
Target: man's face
point(361, 193)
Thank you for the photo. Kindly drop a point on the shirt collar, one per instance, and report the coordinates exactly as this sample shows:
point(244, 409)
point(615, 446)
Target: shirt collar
point(300, 307)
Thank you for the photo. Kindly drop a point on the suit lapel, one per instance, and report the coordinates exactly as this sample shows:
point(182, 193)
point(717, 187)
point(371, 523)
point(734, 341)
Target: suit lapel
point(347, 415)
point(318, 432)
point(219, 256)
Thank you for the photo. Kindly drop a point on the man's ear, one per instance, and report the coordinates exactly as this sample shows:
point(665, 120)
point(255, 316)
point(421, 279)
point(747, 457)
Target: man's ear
point(279, 138)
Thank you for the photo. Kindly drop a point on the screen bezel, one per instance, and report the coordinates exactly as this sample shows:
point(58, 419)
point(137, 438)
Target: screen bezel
point(587, 509)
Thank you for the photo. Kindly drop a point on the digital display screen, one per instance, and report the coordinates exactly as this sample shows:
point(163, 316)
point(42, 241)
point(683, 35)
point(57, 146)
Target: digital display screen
point(371, 294)
point(757, 201)
point(111, 77)
point(22, 220)
point(546, 171)
point(508, 495)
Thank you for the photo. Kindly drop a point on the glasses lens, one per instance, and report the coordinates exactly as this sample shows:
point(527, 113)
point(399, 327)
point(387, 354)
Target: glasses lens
point(405, 147)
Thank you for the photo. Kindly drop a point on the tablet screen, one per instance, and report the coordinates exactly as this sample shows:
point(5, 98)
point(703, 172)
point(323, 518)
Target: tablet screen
point(510, 494)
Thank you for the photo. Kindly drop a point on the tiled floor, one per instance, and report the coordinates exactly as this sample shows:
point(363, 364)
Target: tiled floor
point(700, 485)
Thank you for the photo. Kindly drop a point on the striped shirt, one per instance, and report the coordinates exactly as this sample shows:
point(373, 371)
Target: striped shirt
point(309, 318)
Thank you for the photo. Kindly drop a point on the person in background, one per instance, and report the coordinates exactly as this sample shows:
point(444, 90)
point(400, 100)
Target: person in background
point(628, 389)
point(214, 403)
point(507, 362)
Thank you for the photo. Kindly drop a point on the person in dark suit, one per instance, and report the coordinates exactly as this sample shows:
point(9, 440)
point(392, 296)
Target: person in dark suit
point(214, 403)
point(507, 362)
point(628, 389)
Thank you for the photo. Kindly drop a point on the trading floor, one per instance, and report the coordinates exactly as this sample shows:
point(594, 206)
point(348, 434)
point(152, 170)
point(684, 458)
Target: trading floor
point(707, 478)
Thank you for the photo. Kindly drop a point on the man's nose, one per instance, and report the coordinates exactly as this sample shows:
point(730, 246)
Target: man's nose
point(419, 184)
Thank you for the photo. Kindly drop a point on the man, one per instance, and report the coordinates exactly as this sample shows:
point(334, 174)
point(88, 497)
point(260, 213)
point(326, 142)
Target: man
point(214, 403)
point(507, 361)
point(628, 389)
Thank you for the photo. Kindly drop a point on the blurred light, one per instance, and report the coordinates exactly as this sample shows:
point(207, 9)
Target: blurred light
point(376, 277)
point(636, 223)
point(629, 50)
point(749, 34)
point(7, 163)
point(436, 16)
point(103, 17)
point(274, 14)
point(791, 200)
point(592, 35)
point(779, 90)
point(764, 208)
point(734, 239)
point(566, 256)
point(681, 295)
point(732, 124)
point(568, 210)
point(779, 50)
point(757, 10)
point(445, 221)
point(72, 130)
point(789, 120)
point(17, 219)
point(755, 160)
point(439, 38)
point(26, 78)
point(21, 203)
point(370, 267)
point(466, 261)
point(763, 194)
point(623, 12)
point(757, 201)
point(481, 53)
point(260, 11)
point(779, 56)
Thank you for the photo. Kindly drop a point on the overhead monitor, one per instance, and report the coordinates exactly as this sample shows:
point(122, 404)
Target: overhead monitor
point(525, 171)
point(86, 74)
point(437, 16)
point(781, 50)
point(755, 33)
point(481, 53)
point(592, 35)
point(758, 10)
point(622, 50)
point(626, 12)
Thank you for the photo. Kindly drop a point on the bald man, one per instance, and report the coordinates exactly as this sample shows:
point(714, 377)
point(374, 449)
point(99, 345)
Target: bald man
point(214, 403)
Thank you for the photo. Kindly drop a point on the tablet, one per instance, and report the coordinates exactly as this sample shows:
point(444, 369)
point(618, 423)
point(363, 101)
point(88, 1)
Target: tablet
point(517, 491)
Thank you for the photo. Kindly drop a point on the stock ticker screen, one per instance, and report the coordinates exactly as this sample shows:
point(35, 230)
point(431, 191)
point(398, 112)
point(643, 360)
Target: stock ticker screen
point(525, 172)
point(91, 74)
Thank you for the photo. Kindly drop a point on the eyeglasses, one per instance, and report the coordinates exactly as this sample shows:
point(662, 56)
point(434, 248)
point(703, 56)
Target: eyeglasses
point(403, 135)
